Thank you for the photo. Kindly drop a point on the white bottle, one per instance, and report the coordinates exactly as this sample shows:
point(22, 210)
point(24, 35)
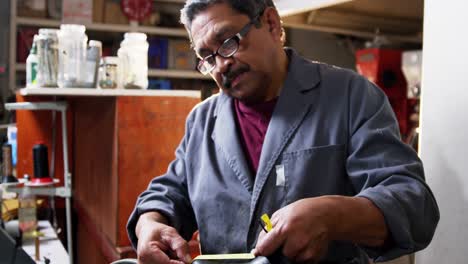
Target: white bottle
point(133, 55)
point(31, 66)
point(72, 42)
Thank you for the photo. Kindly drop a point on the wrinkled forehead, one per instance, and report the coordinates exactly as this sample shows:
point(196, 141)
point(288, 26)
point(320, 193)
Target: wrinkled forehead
point(211, 27)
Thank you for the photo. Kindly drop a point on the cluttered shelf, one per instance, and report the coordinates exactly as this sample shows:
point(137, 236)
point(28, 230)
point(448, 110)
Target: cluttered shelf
point(171, 62)
point(162, 73)
point(152, 30)
point(107, 92)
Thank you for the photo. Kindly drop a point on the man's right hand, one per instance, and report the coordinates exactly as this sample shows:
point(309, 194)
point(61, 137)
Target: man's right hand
point(159, 243)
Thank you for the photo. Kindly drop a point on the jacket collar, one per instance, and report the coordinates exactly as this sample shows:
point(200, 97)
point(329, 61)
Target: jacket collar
point(297, 98)
point(303, 75)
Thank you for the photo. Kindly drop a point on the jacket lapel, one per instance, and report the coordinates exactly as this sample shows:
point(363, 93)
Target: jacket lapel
point(295, 101)
point(227, 141)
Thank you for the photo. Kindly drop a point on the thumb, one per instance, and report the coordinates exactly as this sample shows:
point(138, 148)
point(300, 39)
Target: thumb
point(180, 247)
point(267, 244)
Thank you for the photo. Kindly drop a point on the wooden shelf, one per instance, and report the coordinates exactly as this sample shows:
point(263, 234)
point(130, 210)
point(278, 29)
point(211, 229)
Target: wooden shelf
point(107, 92)
point(183, 74)
point(171, 1)
point(165, 31)
point(169, 73)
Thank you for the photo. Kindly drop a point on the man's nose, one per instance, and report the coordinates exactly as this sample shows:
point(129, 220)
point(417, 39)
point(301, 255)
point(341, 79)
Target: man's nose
point(223, 64)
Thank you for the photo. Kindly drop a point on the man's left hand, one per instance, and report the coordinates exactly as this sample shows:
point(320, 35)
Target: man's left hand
point(303, 230)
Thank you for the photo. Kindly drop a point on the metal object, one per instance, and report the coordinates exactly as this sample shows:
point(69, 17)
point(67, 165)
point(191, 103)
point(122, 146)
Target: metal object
point(61, 191)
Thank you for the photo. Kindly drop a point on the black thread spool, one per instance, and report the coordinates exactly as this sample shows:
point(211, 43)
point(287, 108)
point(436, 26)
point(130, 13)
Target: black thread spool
point(41, 164)
point(8, 165)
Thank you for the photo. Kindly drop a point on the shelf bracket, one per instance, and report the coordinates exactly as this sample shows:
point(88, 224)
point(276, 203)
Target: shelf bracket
point(45, 191)
point(54, 106)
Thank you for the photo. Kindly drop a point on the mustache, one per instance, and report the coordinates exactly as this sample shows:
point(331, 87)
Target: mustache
point(230, 75)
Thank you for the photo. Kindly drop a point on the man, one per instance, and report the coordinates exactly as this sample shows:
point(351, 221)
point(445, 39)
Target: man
point(314, 146)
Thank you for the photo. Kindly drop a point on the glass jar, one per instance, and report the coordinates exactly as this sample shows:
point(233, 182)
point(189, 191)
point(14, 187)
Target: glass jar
point(93, 57)
point(47, 49)
point(133, 55)
point(109, 73)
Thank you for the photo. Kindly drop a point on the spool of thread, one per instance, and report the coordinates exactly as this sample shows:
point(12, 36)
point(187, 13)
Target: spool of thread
point(7, 165)
point(41, 165)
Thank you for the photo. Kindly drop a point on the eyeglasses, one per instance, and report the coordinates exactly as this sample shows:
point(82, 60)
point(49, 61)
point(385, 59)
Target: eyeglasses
point(226, 50)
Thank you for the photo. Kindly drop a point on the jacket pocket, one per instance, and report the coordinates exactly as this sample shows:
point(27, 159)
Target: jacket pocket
point(314, 172)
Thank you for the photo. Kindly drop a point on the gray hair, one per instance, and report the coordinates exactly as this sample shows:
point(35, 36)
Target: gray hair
point(251, 8)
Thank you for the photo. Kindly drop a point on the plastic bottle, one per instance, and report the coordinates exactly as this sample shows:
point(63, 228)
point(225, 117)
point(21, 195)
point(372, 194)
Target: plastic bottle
point(93, 56)
point(27, 211)
point(133, 55)
point(72, 55)
point(31, 65)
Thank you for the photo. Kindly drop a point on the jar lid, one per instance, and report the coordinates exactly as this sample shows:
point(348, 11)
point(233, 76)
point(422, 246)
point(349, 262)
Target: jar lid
point(135, 36)
point(95, 43)
point(49, 32)
point(73, 28)
point(110, 60)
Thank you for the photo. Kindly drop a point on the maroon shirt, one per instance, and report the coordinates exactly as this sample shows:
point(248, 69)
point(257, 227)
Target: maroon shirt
point(253, 121)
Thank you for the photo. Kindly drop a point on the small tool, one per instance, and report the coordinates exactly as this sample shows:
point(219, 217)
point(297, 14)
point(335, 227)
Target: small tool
point(266, 223)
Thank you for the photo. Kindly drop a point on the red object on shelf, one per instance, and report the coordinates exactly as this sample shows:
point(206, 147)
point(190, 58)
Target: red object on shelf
point(41, 181)
point(136, 10)
point(383, 67)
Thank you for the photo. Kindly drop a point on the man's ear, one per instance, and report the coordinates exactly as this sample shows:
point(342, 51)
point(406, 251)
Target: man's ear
point(272, 21)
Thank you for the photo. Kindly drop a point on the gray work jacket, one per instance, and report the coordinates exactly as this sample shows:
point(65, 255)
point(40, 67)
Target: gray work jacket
point(332, 132)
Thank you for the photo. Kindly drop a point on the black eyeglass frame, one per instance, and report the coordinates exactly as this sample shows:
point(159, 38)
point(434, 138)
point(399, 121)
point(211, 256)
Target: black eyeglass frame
point(225, 45)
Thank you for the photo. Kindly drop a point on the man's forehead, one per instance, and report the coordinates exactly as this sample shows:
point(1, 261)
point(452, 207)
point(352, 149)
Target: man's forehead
point(213, 31)
point(213, 24)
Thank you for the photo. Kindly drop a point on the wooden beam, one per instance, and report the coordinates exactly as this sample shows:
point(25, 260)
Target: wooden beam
point(360, 21)
point(356, 33)
point(292, 7)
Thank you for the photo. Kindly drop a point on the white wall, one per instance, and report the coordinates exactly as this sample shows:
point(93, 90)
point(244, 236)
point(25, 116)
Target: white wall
point(444, 126)
point(320, 46)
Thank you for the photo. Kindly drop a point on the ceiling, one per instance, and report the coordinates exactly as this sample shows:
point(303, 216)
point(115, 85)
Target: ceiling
point(398, 20)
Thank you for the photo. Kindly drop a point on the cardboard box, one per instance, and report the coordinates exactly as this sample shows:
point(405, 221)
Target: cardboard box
point(77, 11)
point(113, 13)
point(32, 8)
point(181, 56)
point(98, 11)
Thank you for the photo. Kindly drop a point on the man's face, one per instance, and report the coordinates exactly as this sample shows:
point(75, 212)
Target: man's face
point(247, 74)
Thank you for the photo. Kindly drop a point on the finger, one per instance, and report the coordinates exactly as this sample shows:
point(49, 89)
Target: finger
point(275, 217)
point(269, 243)
point(178, 245)
point(152, 253)
point(260, 237)
point(278, 215)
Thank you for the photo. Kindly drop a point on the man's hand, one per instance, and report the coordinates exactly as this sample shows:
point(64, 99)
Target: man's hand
point(301, 228)
point(159, 243)
point(304, 228)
